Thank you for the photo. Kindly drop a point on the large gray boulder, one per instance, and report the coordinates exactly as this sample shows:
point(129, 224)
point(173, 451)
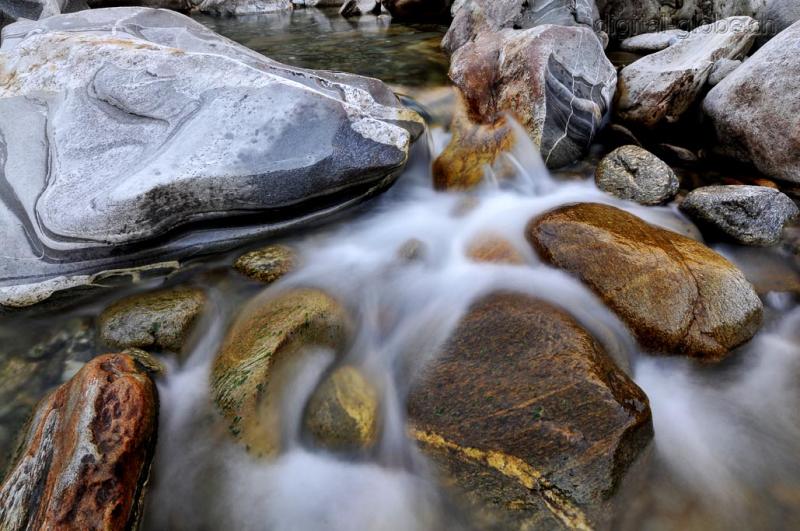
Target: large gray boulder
point(122, 130)
point(471, 17)
point(661, 87)
point(750, 215)
point(555, 80)
point(242, 7)
point(755, 109)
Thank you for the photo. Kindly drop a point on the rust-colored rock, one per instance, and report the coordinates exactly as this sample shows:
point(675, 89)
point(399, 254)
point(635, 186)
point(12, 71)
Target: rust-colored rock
point(526, 412)
point(472, 148)
point(263, 345)
point(267, 264)
point(86, 456)
point(676, 294)
point(494, 249)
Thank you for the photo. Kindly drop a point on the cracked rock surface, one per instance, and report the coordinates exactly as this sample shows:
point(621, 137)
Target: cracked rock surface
point(677, 295)
point(635, 174)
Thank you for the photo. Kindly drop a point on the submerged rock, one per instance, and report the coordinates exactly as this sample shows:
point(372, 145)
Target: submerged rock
point(160, 320)
point(653, 42)
point(85, 459)
point(267, 264)
point(494, 249)
point(473, 17)
point(676, 294)
point(555, 80)
point(635, 174)
point(525, 413)
point(750, 215)
point(145, 125)
point(754, 109)
point(661, 87)
point(268, 338)
point(343, 412)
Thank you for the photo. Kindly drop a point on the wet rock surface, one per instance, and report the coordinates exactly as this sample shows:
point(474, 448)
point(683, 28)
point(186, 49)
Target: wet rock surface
point(160, 320)
point(661, 87)
point(755, 121)
point(268, 337)
point(242, 7)
point(555, 80)
point(525, 412)
point(635, 174)
point(163, 125)
point(343, 413)
point(267, 264)
point(676, 295)
point(749, 215)
point(85, 458)
point(494, 249)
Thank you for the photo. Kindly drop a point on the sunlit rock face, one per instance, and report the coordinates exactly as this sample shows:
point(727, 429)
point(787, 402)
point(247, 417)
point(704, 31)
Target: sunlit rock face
point(555, 80)
point(472, 17)
point(120, 127)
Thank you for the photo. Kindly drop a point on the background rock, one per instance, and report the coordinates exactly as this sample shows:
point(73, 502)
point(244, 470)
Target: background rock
point(418, 10)
point(750, 215)
point(86, 457)
point(242, 7)
point(754, 110)
point(525, 412)
point(661, 87)
point(653, 42)
point(635, 174)
point(267, 264)
point(676, 295)
point(555, 80)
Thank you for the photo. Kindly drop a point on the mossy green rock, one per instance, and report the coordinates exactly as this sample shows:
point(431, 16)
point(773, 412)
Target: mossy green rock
point(343, 411)
point(159, 320)
point(527, 415)
point(268, 337)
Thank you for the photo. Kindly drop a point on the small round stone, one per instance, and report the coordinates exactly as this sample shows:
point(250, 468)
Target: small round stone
point(635, 174)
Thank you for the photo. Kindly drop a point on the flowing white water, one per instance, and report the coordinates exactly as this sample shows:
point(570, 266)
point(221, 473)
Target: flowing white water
point(404, 308)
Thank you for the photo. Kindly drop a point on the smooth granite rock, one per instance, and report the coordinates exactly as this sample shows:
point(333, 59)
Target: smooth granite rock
point(676, 295)
point(122, 129)
point(242, 7)
point(722, 69)
point(555, 80)
point(635, 174)
point(12, 10)
point(473, 17)
point(754, 110)
point(357, 8)
point(750, 215)
point(661, 87)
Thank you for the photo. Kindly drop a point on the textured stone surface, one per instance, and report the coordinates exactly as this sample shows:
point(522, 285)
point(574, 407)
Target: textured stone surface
point(268, 337)
point(661, 87)
point(750, 215)
point(653, 42)
point(160, 320)
point(242, 7)
point(676, 295)
point(525, 412)
point(154, 125)
point(85, 459)
point(472, 17)
point(555, 80)
point(722, 69)
point(267, 264)
point(635, 174)
point(343, 413)
point(12, 10)
point(754, 110)
point(357, 8)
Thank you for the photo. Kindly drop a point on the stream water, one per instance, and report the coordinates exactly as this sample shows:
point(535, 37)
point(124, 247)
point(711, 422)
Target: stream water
point(727, 438)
